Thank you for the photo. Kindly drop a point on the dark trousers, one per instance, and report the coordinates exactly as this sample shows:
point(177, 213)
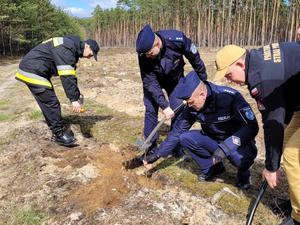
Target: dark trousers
point(201, 148)
point(151, 113)
point(50, 106)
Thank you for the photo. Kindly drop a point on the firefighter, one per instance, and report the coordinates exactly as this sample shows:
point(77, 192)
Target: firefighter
point(228, 130)
point(56, 57)
point(272, 74)
point(161, 62)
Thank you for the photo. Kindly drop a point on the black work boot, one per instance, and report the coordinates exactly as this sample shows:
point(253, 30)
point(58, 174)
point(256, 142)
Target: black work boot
point(243, 185)
point(64, 139)
point(214, 171)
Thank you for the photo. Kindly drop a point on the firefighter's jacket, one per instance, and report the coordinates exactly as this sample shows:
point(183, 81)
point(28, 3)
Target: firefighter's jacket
point(273, 78)
point(54, 57)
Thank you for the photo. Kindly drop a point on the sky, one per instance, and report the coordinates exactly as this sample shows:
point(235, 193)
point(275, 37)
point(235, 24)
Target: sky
point(83, 8)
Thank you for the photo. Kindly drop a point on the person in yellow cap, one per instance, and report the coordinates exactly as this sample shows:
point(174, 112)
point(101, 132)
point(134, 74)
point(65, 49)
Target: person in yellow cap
point(272, 74)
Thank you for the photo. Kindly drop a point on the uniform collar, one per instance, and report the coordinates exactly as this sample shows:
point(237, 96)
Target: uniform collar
point(163, 49)
point(209, 104)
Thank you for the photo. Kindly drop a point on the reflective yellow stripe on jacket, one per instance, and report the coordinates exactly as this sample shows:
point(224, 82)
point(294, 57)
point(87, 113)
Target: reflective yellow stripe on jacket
point(56, 41)
point(66, 70)
point(31, 78)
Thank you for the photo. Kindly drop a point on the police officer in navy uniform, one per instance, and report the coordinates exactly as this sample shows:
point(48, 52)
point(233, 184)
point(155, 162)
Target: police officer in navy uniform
point(228, 130)
point(272, 74)
point(161, 64)
point(56, 57)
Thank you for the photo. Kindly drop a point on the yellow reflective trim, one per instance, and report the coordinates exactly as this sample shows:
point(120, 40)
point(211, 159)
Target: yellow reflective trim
point(47, 41)
point(66, 72)
point(33, 81)
point(55, 42)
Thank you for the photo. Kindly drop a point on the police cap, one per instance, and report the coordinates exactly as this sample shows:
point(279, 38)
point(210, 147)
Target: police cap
point(188, 85)
point(145, 39)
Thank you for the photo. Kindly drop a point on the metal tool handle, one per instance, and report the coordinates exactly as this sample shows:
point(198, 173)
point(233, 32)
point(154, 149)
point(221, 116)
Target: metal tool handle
point(162, 121)
point(260, 194)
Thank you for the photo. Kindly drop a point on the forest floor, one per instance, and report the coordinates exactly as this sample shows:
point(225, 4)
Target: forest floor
point(43, 183)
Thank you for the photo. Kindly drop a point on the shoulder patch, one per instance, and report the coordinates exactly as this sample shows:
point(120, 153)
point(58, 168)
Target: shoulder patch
point(176, 38)
point(236, 140)
point(249, 113)
point(193, 48)
point(254, 91)
point(260, 106)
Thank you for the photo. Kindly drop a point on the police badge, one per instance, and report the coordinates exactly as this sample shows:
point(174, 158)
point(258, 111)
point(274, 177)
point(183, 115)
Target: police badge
point(236, 140)
point(193, 49)
point(249, 113)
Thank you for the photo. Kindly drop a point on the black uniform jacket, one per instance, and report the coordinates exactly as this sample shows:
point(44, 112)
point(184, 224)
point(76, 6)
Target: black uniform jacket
point(54, 57)
point(167, 68)
point(273, 78)
point(226, 117)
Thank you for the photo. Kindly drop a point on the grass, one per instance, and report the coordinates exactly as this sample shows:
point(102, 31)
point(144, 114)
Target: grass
point(4, 107)
point(36, 114)
point(3, 104)
point(107, 125)
point(6, 117)
point(29, 217)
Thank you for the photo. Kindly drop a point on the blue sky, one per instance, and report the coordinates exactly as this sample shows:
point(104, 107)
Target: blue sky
point(83, 8)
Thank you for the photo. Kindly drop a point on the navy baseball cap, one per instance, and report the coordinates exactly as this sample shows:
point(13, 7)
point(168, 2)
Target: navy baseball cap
point(94, 46)
point(188, 85)
point(145, 39)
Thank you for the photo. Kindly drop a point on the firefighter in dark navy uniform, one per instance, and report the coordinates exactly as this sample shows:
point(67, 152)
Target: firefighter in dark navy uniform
point(161, 62)
point(272, 74)
point(56, 57)
point(228, 129)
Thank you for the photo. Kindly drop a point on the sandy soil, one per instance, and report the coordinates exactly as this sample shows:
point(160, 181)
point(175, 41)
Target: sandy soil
point(89, 184)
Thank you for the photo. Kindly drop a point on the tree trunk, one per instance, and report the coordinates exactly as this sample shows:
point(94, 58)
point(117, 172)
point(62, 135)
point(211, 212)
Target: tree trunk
point(250, 24)
point(263, 25)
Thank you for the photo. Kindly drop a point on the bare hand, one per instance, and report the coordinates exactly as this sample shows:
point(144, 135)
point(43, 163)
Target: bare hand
point(273, 178)
point(147, 165)
point(76, 107)
point(169, 113)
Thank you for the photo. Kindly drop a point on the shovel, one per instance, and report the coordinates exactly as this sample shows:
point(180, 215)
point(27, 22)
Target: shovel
point(260, 194)
point(145, 144)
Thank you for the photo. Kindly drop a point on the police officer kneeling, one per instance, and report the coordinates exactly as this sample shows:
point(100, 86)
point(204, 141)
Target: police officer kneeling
point(228, 130)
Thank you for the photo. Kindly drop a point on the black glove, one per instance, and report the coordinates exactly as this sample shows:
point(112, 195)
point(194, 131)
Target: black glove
point(151, 158)
point(219, 155)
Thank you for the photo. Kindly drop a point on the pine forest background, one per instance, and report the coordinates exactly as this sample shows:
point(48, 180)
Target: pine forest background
point(209, 23)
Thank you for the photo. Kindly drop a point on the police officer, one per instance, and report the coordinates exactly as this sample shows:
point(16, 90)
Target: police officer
point(228, 130)
point(272, 74)
point(161, 64)
point(56, 57)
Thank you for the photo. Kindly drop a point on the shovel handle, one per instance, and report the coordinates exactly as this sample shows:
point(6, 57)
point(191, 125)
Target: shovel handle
point(162, 121)
point(260, 194)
